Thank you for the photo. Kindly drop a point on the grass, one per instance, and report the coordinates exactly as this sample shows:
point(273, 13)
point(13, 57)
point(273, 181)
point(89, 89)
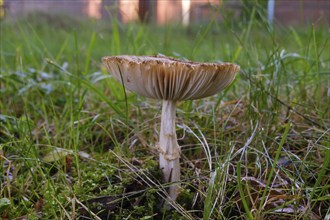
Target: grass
point(74, 146)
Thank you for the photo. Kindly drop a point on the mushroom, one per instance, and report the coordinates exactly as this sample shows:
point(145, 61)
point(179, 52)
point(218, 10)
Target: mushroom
point(170, 80)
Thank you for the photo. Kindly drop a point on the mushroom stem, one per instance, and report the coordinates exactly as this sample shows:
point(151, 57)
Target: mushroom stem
point(169, 151)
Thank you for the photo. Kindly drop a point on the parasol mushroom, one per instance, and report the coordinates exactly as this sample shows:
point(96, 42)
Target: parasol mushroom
point(170, 80)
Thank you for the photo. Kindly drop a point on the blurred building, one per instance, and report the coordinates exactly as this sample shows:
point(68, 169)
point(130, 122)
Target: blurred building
point(295, 12)
point(165, 11)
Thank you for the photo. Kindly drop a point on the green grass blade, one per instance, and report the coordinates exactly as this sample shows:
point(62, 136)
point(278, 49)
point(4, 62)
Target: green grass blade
point(272, 169)
point(241, 192)
point(208, 202)
point(89, 53)
point(321, 174)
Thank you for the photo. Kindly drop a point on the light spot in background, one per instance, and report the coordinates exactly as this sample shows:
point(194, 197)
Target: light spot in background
point(129, 10)
point(185, 12)
point(94, 9)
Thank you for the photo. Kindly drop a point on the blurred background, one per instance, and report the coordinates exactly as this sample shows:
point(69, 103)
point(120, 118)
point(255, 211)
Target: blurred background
point(295, 12)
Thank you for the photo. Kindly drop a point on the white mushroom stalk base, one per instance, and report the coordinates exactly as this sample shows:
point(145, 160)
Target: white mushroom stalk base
point(169, 151)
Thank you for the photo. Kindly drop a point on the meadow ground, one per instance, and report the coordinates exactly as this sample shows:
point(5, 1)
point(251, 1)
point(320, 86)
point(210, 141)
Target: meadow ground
point(73, 147)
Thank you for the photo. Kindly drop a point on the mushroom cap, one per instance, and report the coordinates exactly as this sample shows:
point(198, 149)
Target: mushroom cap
point(161, 77)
